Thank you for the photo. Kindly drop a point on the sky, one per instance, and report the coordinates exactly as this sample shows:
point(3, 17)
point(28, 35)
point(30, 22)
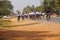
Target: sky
point(20, 4)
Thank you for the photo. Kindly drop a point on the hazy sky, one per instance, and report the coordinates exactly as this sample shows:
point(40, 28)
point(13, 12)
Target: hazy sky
point(20, 4)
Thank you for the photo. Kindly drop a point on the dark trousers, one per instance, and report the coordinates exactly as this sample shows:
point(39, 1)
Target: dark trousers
point(48, 16)
point(18, 18)
point(22, 17)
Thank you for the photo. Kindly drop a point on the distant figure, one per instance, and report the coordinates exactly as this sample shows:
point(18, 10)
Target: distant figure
point(22, 15)
point(32, 15)
point(43, 14)
point(18, 16)
point(25, 15)
point(48, 13)
point(58, 13)
point(38, 15)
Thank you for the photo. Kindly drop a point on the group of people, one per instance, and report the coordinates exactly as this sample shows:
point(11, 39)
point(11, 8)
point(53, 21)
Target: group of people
point(34, 15)
point(19, 15)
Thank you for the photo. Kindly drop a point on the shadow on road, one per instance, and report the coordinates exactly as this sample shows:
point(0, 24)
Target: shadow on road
point(25, 35)
point(23, 24)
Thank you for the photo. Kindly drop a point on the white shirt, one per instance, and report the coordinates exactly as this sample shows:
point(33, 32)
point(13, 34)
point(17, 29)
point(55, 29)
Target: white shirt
point(38, 13)
point(18, 14)
point(43, 13)
point(32, 13)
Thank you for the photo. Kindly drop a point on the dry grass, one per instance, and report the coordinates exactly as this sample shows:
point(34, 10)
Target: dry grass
point(4, 22)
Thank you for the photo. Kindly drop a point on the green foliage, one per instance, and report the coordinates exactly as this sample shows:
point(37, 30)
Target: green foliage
point(29, 9)
point(5, 7)
point(53, 4)
point(32, 7)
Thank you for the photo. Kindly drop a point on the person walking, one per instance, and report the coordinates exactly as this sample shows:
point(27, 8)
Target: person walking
point(48, 13)
point(18, 16)
point(22, 15)
point(43, 14)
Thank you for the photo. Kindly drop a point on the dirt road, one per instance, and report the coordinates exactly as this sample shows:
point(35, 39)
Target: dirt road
point(31, 30)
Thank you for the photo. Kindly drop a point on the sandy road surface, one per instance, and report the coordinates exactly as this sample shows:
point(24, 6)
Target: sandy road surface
point(31, 30)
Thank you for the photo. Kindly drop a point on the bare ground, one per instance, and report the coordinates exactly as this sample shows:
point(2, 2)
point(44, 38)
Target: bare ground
point(31, 30)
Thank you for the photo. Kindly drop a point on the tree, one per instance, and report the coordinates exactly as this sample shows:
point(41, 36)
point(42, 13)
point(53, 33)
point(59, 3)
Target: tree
point(38, 9)
point(54, 4)
point(29, 9)
point(5, 7)
point(33, 8)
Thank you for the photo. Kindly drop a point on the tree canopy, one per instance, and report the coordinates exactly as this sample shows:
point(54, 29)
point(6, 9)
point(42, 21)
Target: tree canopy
point(29, 9)
point(5, 7)
point(53, 4)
